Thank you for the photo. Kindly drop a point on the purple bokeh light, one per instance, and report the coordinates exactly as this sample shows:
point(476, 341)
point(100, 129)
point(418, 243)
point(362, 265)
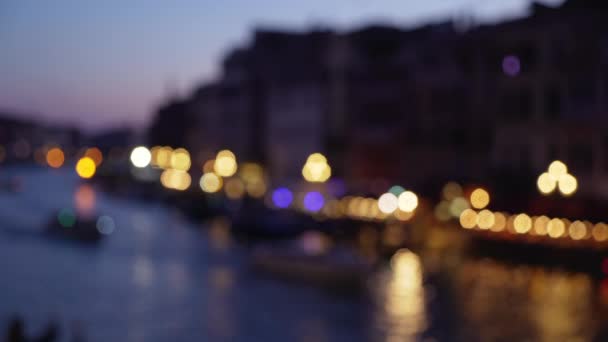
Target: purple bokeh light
point(511, 65)
point(313, 201)
point(282, 197)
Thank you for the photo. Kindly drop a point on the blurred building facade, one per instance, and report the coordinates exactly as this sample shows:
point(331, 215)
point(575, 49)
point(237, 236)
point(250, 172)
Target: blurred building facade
point(409, 106)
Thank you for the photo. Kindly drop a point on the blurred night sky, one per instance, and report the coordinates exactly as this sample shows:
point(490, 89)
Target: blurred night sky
point(99, 64)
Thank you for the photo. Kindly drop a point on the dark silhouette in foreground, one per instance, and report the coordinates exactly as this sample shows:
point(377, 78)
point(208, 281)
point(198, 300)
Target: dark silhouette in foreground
point(16, 332)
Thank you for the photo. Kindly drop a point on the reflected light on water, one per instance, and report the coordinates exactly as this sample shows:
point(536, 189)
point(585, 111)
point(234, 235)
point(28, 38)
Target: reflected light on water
point(219, 233)
point(84, 200)
point(539, 304)
point(404, 302)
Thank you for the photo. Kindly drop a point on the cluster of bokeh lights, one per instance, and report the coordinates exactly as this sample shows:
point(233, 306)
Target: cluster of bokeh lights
point(534, 226)
point(557, 177)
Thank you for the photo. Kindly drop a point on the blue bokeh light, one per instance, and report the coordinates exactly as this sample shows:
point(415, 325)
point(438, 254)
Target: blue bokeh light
point(313, 201)
point(282, 197)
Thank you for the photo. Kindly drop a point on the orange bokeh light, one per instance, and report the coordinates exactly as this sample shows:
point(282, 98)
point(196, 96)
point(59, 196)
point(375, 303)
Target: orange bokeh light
point(95, 154)
point(55, 157)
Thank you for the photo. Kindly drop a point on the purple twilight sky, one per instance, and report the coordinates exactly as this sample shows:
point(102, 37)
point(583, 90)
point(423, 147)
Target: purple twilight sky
point(100, 64)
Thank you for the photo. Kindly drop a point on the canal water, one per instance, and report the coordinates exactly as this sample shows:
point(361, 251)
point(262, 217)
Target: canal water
point(160, 277)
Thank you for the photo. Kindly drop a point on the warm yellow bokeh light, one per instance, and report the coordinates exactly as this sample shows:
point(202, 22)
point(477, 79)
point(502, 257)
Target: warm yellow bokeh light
point(85, 167)
point(55, 157)
point(522, 223)
point(210, 182)
point(540, 225)
point(557, 169)
point(479, 198)
point(567, 184)
point(180, 159)
point(468, 218)
point(175, 179)
point(485, 219)
point(546, 183)
point(500, 222)
point(408, 201)
point(225, 163)
point(388, 203)
point(317, 158)
point(600, 232)
point(316, 169)
point(556, 228)
point(163, 157)
point(577, 230)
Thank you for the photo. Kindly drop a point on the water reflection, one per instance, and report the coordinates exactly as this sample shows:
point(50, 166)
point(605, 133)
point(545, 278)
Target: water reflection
point(403, 316)
point(84, 200)
point(536, 303)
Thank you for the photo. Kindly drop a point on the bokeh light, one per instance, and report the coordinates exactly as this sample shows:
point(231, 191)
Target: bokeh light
point(567, 184)
point(282, 197)
point(180, 159)
point(485, 219)
point(468, 218)
point(141, 156)
point(600, 232)
point(85, 167)
point(500, 222)
point(225, 163)
point(556, 228)
point(84, 200)
point(105, 225)
point(388, 203)
point(396, 190)
point(316, 169)
point(55, 157)
point(208, 166)
point(522, 223)
point(234, 188)
point(163, 157)
point(458, 205)
point(66, 218)
point(546, 183)
point(557, 169)
point(540, 225)
point(256, 189)
point(210, 182)
point(95, 154)
point(511, 65)
point(175, 179)
point(451, 190)
point(313, 201)
point(479, 198)
point(577, 230)
point(408, 201)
